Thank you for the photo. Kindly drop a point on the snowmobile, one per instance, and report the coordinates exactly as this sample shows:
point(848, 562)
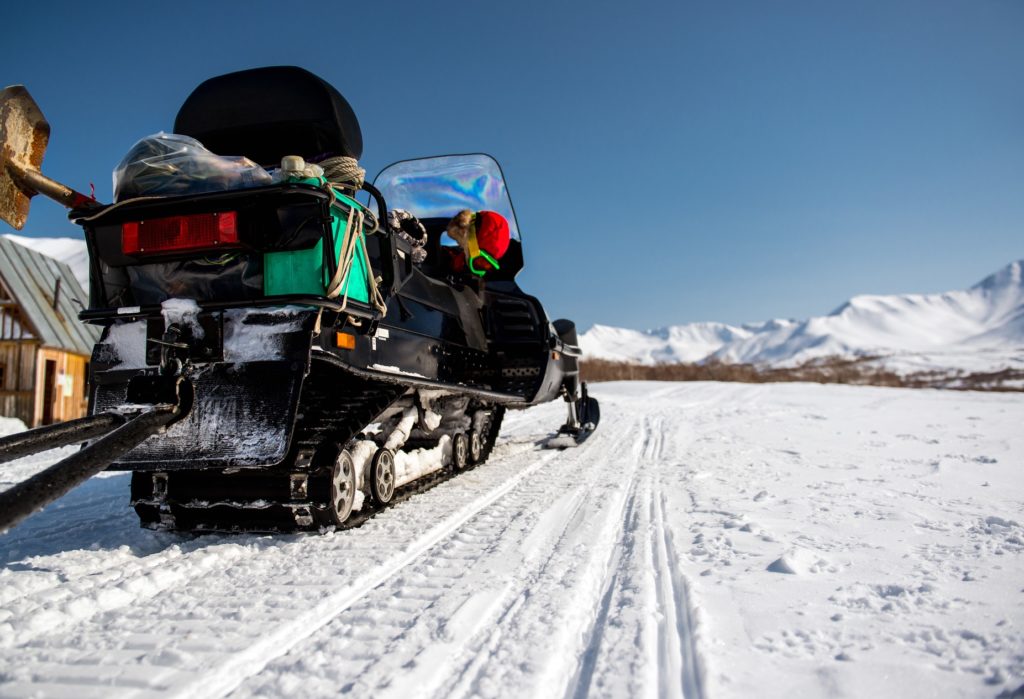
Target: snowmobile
point(272, 356)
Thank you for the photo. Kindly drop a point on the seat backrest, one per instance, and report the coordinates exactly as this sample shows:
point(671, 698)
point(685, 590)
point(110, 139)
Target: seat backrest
point(267, 113)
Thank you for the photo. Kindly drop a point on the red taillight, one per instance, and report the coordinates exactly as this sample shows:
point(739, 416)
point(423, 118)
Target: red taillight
point(180, 233)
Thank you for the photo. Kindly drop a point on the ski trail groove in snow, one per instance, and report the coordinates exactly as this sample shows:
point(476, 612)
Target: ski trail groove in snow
point(680, 669)
point(445, 628)
point(618, 569)
point(577, 572)
point(641, 641)
point(580, 686)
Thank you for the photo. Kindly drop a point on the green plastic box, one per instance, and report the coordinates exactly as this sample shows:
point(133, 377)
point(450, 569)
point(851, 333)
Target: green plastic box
point(302, 271)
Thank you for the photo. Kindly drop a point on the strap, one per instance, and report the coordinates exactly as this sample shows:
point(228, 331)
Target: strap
point(354, 234)
point(476, 253)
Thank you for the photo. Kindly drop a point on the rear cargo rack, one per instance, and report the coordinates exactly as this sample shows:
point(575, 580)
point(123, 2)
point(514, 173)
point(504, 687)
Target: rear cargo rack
point(356, 309)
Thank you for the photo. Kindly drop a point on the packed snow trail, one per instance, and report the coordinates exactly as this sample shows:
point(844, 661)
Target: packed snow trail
point(709, 540)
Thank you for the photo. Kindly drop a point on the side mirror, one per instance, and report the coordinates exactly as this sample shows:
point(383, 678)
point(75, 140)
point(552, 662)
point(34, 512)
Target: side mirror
point(24, 133)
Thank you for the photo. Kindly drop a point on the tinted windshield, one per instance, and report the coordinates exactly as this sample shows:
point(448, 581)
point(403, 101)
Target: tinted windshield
point(443, 186)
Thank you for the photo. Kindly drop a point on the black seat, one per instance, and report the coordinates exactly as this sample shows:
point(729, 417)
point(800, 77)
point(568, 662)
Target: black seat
point(267, 113)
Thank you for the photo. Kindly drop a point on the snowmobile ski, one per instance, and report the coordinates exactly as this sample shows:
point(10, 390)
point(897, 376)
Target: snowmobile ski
point(584, 415)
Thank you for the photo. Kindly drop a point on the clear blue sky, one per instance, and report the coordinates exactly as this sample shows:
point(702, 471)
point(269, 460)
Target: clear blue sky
point(669, 161)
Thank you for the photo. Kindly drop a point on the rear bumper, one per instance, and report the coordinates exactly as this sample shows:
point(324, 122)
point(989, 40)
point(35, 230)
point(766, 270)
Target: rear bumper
point(245, 405)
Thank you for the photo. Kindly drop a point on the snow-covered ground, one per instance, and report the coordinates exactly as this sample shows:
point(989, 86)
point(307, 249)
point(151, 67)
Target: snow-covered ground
point(710, 540)
point(979, 329)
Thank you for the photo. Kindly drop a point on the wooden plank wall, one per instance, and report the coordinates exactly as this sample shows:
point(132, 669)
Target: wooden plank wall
point(17, 393)
point(71, 398)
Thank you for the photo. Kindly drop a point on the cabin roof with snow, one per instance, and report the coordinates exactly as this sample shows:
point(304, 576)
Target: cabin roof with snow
point(32, 280)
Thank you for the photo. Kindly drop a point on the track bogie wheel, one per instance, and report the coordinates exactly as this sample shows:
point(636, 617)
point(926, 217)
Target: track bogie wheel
point(382, 476)
point(343, 488)
point(460, 451)
point(476, 447)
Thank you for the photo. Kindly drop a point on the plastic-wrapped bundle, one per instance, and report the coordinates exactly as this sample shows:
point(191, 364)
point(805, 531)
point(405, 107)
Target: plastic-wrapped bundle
point(167, 164)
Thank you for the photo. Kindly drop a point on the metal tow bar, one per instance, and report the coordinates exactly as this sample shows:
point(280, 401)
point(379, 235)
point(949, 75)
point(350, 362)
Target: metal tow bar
point(33, 494)
point(62, 434)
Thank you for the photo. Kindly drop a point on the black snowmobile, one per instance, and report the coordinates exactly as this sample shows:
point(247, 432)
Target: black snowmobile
point(272, 352)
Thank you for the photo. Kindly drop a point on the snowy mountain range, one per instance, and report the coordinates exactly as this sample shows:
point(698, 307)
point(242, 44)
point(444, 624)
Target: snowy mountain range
point(978, 329)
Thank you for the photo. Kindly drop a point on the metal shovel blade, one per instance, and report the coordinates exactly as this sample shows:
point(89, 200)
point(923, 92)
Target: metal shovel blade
point(24, 133)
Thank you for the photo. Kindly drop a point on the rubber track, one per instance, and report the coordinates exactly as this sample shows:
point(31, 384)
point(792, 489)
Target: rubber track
point(261, 500)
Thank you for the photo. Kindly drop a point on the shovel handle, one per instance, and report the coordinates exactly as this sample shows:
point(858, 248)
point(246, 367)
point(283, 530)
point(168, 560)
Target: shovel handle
point(38, 183)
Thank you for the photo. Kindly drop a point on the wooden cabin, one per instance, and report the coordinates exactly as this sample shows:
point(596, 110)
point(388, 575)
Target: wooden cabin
point(44, 348)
